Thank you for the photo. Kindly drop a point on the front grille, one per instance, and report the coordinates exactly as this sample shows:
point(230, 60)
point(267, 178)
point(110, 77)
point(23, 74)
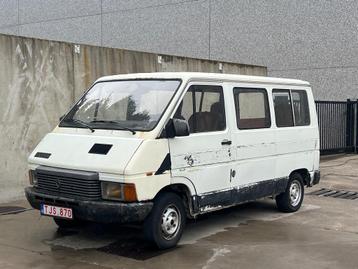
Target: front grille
point(68, 183)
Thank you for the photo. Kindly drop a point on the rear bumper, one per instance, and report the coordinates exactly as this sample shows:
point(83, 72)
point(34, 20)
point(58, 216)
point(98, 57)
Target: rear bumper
point(315, 178)
point(97, 211)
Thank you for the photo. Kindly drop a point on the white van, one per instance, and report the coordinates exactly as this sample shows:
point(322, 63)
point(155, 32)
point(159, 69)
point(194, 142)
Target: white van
point(160, 148)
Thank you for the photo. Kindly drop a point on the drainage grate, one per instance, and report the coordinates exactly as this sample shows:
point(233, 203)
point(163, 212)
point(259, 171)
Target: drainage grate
point(5, 210)
point(349, 195)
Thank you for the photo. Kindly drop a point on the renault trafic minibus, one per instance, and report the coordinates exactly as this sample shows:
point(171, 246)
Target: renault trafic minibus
point(159, 148)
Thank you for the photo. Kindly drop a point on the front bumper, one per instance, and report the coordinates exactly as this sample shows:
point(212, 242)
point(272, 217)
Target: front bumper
point(97, 211)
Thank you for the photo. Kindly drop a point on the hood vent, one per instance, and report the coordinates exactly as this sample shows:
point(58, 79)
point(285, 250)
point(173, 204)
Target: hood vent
point(101, 149)
point(44, 155)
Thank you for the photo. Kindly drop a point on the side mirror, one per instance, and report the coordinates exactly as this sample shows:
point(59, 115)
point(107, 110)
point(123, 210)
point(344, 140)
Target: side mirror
point(181, 127)
point(61, 118)
point(177, 127)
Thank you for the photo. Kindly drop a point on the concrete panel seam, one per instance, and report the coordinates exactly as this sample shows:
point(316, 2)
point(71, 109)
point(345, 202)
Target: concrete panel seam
point(101, 22)
point(209, 42)
point(154, 6)
point(60, 19)
point(314, 68)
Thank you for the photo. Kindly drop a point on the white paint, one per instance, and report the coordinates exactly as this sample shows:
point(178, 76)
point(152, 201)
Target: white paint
point(71, 151)
point(255, 155)
point(77, 49)
point(209, 208)
point(217, 252)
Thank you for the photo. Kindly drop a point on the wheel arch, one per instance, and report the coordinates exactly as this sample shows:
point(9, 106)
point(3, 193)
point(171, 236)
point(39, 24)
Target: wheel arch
point(184, 192)
point(304, 173)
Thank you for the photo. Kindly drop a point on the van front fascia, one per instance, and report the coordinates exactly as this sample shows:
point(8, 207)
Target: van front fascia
point(96, 211)
point(81, 191)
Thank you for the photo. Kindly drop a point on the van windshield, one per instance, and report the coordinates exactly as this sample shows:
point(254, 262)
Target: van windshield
point(123, 105)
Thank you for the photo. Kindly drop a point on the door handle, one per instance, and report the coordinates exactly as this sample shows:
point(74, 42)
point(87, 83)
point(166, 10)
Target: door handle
point(226, 142)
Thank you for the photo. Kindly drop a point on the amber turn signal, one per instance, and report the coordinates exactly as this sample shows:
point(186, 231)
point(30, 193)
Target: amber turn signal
point(130, 194)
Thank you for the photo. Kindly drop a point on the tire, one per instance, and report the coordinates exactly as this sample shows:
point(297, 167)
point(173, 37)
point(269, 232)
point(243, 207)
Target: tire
point(165, 224)
point(291, 200)
point(67, 224)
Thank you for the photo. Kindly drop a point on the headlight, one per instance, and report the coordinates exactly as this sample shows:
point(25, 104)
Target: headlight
point(32, 178)
point(118, 191)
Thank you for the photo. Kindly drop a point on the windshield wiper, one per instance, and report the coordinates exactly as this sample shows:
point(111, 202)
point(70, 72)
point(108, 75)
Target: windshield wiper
point(116, 122)
point(82, 123)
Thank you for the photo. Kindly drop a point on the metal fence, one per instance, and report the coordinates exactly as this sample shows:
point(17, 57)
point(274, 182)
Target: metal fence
point(337, 125)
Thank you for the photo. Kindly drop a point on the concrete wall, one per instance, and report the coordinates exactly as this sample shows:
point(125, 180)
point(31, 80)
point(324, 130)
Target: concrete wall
point(314, 40)
point(39, 80)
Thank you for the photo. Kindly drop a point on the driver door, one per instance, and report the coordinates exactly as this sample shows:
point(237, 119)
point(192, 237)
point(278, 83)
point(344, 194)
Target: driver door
point(204, 156)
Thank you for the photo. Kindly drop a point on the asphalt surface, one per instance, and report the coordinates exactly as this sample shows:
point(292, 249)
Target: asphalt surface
point(323, 234)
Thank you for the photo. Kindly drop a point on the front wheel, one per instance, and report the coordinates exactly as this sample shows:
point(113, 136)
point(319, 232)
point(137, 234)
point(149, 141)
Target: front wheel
point(291, 200)
point(165, 224)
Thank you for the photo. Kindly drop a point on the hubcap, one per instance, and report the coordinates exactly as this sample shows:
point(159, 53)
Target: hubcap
point(295, 193)
point(171, 220)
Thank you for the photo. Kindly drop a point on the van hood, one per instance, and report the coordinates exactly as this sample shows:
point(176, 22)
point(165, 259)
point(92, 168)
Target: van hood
point(103, 154)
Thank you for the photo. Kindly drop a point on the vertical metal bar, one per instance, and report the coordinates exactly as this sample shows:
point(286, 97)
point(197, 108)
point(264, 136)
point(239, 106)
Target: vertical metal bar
point(356, 127)
point(339, 126)
point(348, 131)
point(336, 125)
point(344, 123)
point(324, 125)
point(328, 115)
point(320, 124)
point(324, 106)
point(333, 123)
point(332, 134)
point(328, 134)
point(352, 126)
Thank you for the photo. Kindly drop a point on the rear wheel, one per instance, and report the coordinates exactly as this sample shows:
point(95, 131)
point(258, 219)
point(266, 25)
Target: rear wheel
point(291, 200)
point(67, 224)
point(164, 226)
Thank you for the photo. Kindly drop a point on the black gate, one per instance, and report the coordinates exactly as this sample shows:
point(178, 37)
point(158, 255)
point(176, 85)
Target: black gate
point(337, 124)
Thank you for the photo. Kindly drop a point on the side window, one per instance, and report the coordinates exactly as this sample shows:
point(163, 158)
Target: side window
point(252, 109)
point(283, 108)
point(300, 108)
point(204, 109)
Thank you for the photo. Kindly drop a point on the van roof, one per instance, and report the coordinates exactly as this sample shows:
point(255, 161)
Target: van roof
point(206, 76)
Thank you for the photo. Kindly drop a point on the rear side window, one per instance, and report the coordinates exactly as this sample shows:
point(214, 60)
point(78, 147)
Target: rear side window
point(252, 109)
point(204, 109)
point(283, 108)
point(291, 108)
point(300, 108)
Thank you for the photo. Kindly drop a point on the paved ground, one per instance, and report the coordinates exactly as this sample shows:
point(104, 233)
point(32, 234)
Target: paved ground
point(323, 234)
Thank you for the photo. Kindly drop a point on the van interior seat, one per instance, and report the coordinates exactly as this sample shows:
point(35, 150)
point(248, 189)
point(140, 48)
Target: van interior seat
point(208, 121)
point(284, 115)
